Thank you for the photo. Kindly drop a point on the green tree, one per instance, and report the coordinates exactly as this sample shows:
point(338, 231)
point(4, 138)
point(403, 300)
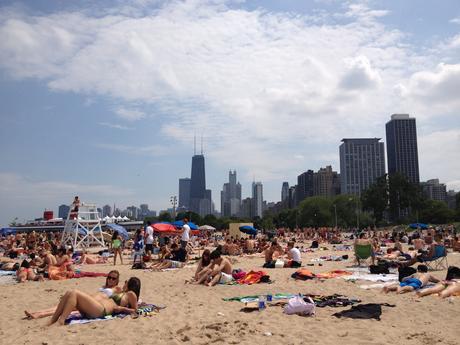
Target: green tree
point(436, 212)
point(287, 218)
point(315, 211)
point(346, 206)
point(403, 196)
point(375, 198)
point(165, 217)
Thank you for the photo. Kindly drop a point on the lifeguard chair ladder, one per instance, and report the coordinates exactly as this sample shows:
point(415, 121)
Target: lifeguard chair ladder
point(83, 228)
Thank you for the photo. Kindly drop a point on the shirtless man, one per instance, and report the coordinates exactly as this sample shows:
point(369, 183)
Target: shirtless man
point(220, 270)
point(48, 259)
point(272, 253)
point(413, 282)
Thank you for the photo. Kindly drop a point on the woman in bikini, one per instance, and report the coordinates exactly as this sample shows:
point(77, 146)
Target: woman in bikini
point(110, 287)
point(98, 305)
point(116, 247)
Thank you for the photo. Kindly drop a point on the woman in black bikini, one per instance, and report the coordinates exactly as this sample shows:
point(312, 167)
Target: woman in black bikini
point(98, 305)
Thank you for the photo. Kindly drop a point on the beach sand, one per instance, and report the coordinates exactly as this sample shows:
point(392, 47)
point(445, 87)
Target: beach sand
point(198, 315)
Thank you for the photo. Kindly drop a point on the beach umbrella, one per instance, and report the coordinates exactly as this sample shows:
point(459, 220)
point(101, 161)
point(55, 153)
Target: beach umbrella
point(249, 230)
point(180, 224)
point(125, 218)
point(163, 227)
point(7, 231)
point(418, 225)
point(121, 230)
point(207, 227)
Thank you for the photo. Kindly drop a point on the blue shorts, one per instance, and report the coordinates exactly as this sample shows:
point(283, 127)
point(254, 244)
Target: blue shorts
point(414, 282)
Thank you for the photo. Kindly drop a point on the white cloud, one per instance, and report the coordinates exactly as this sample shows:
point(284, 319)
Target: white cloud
point(129, 114)
point(23, 197)
point(260, 84)
point(455, 20)
point(360, 75)
point(438, 150)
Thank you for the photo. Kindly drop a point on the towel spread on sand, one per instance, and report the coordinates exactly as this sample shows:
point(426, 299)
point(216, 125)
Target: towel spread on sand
point(7, 273)
point(372, 277)
point(144, 310)
point(255, 298)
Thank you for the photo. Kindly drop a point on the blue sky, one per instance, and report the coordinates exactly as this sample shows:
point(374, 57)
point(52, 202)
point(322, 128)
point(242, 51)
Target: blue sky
point(103, 100)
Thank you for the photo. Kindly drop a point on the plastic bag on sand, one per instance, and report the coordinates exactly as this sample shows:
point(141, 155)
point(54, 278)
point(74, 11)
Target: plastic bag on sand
point(297, 305)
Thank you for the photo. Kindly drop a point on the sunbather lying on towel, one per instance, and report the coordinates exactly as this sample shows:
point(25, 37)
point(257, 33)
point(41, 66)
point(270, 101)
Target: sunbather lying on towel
point(413, 282)
point(446, 288)
point(110, 287)
point(98, 305)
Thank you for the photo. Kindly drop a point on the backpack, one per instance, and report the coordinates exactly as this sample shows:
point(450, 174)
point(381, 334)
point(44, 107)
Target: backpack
point(381, 268)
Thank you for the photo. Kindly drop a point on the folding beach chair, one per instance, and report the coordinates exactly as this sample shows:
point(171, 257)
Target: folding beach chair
point(363, 252)
point(439, 259)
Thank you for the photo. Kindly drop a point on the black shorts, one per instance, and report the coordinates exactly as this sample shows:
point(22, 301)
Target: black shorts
point(149, 247)
point(295, 264)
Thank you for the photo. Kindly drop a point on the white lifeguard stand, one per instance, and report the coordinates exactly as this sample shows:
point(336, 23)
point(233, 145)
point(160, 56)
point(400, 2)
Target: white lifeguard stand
point(83, 228)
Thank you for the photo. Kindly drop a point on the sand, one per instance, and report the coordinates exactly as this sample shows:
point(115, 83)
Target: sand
point(198, 315)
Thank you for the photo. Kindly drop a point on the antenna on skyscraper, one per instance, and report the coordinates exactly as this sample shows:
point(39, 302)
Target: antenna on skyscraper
point(201, 144)
point(194, 144)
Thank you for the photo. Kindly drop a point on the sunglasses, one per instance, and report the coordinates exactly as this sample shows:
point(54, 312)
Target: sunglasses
point(112, 278)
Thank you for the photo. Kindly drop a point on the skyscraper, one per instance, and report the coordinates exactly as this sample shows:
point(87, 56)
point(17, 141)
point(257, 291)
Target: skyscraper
point(197, 183)
point(257, 199)
point(230, 197)
point(401, 133)
point(63, 211)
point(106, 211)
point(326, 182)
point(304, 186)
point(362, 161)
point(434, 190)
point(285, 191)
point(184, 193)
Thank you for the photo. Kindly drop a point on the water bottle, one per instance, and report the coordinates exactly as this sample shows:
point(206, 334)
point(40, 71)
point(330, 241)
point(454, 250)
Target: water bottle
point(269, 297)
point(261, 303)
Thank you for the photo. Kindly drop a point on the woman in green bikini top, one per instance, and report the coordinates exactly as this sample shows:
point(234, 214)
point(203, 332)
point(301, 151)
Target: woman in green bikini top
point(98, 305)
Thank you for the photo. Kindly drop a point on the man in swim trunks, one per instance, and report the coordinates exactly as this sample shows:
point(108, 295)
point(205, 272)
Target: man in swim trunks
point(413, 282)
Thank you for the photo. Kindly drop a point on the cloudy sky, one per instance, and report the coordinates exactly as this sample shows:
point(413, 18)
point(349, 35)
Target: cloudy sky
point(103, 99)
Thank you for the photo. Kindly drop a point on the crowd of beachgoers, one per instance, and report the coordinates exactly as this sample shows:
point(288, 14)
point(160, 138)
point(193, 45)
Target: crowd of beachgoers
point(38, 256)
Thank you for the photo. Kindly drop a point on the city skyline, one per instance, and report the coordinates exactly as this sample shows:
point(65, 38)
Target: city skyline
point(103, 99)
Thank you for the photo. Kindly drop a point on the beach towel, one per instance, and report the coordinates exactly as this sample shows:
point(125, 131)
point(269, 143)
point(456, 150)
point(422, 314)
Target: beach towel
point(372, 277)
point(62, 273)
point(255, 298)
point(254, 277)
point(7, 273)
point(363, 311)
point(334, 300)
point(143, 310)
point(304, 274)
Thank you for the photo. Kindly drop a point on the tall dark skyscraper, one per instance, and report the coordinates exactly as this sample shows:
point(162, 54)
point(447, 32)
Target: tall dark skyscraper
point(197, 183)
point(401, 132)
point(362, 162)
point(285, 191)
point(304, 186)
point(184, 192)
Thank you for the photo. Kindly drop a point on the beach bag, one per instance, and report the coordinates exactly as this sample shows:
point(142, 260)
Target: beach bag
point(279, 263)
point(381, 268)
point(298, 306)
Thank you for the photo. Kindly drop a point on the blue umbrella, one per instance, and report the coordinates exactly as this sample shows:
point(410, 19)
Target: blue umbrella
point(247, 229)
point(180, 224)
point(418, 225)
point(7, 231)
point(121, 230)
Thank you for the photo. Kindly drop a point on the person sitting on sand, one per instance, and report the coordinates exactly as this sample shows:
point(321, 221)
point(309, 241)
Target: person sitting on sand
point(272, 253)
point(294, 256)
point(203, 263)
point(178, 259)
point(109, 288)
point(220, 270)
point(413, 282)
point(98, 305)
